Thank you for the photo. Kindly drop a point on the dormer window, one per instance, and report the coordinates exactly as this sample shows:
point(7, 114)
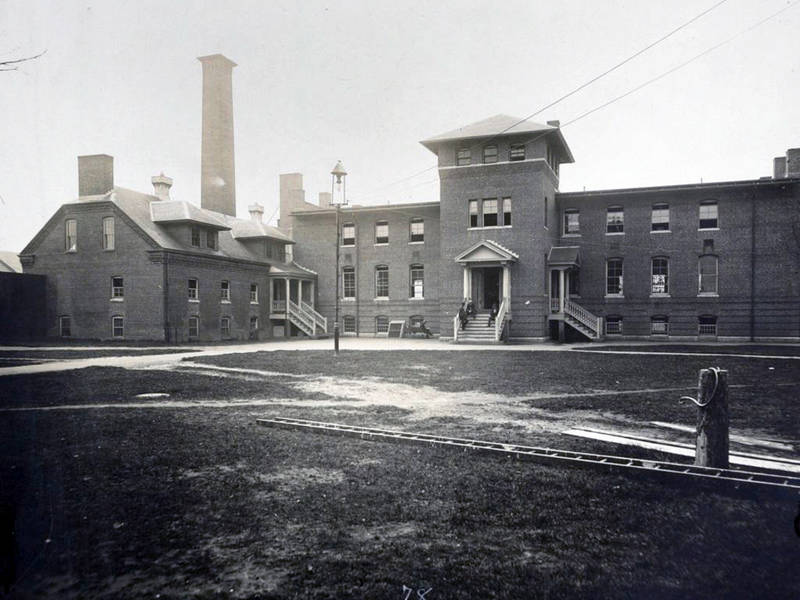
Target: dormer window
point(212, 240)
point(195, 236)
point(463, 157)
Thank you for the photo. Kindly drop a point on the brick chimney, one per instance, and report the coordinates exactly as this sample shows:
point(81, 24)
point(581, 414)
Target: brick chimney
point(95, 174)
point(793, 162)
point(256, 212)
point(325, 199)
point(161, 185)
point(218, 185)
point(779, 167)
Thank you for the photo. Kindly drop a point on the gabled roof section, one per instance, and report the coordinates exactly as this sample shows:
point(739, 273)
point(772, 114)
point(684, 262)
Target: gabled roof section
point(165, 212)
point(498, 126)
point(487, 251)
point(243, 229)
point(9, 262)
point(292, 269)
point(564, 256)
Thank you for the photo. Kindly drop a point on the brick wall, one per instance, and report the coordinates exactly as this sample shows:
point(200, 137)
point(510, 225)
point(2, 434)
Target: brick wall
point(22, 307)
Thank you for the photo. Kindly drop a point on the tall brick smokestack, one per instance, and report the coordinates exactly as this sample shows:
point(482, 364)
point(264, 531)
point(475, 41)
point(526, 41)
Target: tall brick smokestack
point(217, 184)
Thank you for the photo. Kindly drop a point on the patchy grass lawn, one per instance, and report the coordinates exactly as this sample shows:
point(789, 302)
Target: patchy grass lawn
point(762, 349)
point(7, 356)
point(145, 498)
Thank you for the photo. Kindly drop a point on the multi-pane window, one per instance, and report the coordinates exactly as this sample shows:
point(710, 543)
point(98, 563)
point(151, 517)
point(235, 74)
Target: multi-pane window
point(552, 159)
point(659, 325)
point(417, 230)
point(708, 275)
point(382, 281)
point(614, 277)
point(225, 327)
point(348, 282)
point(194, 327)
point(382, 324)
point(615, 220)
point(659, 219)
point(192, 289)
point(490, 212)
point(507, 212)
point(225, 291)
point(709, 216)
point(70, 235)
point(254, 293)
point(490, 154)
point(108, 233)
point(473, 213)
point(118, 327)
point(381, 232)
point(613, 325)
point(516, 152)
point(349, 322)
point(117, 287)
point(463, 157)
point(65, 326)
point(659, 276)
point(707, 325)
point(195, 236)
point(417, 281)
point(212, 240)
point(348, 234)
point(572, 221)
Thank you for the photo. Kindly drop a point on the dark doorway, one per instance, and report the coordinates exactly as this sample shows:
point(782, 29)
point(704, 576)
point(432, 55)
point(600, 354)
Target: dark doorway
point(492, 277)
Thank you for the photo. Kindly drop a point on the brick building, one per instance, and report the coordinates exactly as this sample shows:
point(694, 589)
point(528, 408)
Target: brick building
point(716, 260)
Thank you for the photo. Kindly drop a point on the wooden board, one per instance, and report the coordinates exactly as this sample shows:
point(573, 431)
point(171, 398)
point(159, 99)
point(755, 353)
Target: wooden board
point(396, 329)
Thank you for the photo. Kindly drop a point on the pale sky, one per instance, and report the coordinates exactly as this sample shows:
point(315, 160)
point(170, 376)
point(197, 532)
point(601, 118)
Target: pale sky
point(364, 81)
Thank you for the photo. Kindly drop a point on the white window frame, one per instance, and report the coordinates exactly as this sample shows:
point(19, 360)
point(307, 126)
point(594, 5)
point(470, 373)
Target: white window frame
point(615, 223)
point(490, 154)
point(507, 211)
point(420, 268)
point(254, 293)
point(377, 325)
point(489, 202)
point(472, 210)
point(379, 227)
point(225, 291)
point(416, 229)
point(653, 275)
point(567, 213)
point(348, 241)
point(621, 292)
point(346, 321)
point(708, 204)
point(710, 328)
point(115, 327)
point(657, 218)
point(225, 327)
point(379, 270)
point(193, 291)
point(348, 273)
point(463, 156)
point(117, 291)
point(700, 275)
point(613, 325)
point(194, 319)
point(194, 230)
point(516, 152)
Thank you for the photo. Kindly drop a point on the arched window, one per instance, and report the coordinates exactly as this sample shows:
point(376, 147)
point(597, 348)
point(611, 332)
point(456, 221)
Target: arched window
point(348, 282)
point(707, 268)
point(659, 275)
point(382, 281)
point(416, 281)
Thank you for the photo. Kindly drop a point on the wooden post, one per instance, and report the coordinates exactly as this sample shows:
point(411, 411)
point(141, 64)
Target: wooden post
point(712, 420)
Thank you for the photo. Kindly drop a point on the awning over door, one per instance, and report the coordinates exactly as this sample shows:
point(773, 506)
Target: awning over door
point(564, 256)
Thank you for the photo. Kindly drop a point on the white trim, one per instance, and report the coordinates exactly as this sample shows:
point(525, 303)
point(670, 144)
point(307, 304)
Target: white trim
point(486, 227)
point(660, 295)
point(117, 299)
point(194, 300)
point(708, 229)
point(615, 233)
point(422, 242)
point(661, 231)
point(381, 299)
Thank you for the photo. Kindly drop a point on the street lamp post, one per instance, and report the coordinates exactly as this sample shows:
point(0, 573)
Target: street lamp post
point(338, 198)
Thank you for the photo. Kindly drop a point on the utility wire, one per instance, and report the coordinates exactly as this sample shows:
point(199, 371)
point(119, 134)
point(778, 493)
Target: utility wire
point(579, 88)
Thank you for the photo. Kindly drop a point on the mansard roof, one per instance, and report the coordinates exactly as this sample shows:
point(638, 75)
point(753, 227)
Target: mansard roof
point(498, 126)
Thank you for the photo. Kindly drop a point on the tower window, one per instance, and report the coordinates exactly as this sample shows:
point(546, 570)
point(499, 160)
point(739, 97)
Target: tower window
point(463, 157)
point(490, 154)
point(516, 152)
point(71, 235)
point(490, 212)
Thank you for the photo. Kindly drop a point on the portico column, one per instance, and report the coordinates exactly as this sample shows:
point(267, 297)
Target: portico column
point(287, 294)
point(466, 282)
point(271, 294)
point(507, 282)
point(561, 290)
point(311, 296)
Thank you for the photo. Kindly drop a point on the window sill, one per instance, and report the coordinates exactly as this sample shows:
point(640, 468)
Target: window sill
point(348, 299)
point(417, 298)
point(708, 295)
point(253, 301)
point(75, 251)
point(381, 244)
point(614, 297)
point(708, 229)
point(660, 296)
point(381, 299)
point(349, 245)
point(660, 231)
point(224, 301)
point(615, 233)
point(572, 235)
point(415, 243)
point(194, 300)
point(108, 249)
point(490, 227)
point(116, 300)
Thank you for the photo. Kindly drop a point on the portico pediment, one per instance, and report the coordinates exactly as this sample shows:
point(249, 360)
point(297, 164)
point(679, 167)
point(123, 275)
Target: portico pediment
point(487, 251)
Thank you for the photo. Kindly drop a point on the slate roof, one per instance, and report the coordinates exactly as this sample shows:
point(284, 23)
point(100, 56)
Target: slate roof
point(498, 126)
point(156, 219)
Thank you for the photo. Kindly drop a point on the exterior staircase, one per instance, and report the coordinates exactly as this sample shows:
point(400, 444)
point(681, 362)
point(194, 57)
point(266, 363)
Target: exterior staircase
point(478, 331)
point(306, 319)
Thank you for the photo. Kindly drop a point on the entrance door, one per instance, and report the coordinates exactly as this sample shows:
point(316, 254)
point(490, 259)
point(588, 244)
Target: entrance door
point(492, 280)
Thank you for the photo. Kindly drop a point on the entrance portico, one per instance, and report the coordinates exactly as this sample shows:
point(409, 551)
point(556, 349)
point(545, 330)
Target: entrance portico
point(487, 274)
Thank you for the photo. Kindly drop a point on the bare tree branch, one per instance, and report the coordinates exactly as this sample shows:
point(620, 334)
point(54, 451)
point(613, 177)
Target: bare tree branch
point(5, 65)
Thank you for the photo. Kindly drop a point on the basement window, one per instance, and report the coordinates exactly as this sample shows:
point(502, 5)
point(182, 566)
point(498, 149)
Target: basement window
point(613, 325)
point(659, 325)
point(65, 326)
point(707, 325)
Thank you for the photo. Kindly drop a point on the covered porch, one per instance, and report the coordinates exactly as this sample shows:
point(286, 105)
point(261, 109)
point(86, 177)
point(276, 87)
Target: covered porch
point(563, 264)
point(292, 300)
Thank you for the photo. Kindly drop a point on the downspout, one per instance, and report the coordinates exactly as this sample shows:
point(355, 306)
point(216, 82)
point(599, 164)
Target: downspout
point(752, 265)
point(358, 275)
point(165, 294)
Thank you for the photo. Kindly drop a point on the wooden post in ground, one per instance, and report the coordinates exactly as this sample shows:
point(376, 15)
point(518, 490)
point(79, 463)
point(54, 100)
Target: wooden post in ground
point(712, 420)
